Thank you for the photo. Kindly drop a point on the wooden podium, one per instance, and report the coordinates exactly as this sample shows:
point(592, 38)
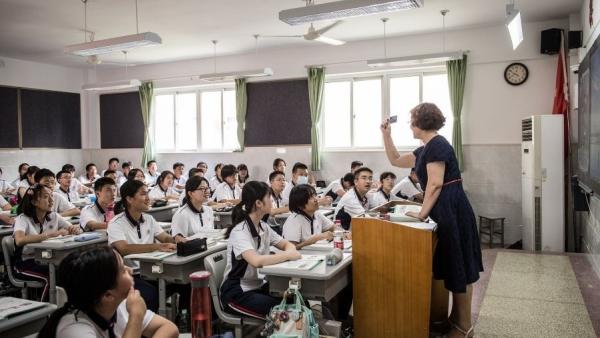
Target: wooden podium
point(394, 292)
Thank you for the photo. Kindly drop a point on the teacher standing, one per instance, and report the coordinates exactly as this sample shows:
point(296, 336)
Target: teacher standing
point(457, 257)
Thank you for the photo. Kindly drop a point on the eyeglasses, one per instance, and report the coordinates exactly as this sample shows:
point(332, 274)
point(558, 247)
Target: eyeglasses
point(201, 189)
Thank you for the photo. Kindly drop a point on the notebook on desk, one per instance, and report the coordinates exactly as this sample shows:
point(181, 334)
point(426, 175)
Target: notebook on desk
point(10, 306)
point(151, 255)
point(306, 263)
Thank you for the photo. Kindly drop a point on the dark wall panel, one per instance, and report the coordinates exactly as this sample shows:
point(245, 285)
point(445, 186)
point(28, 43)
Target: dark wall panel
point(278, 113)
point(50, 119)
point(9, 115)
point(121, 122)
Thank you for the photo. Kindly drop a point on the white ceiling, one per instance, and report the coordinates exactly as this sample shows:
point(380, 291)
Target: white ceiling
point(39, 29)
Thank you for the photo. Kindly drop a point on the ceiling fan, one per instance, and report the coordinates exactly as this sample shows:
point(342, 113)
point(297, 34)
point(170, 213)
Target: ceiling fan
point(314, 35)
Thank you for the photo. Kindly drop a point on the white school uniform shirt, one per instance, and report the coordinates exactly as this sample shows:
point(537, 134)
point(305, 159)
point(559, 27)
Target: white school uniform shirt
point(84, 180)
point(188, 221)
point(52, 222)
point(23, 184)
point(352, 205)
point(278, 201)
point(225, 192)
point(75, 185)
point(151, 179)
point(15, 182)
point(287, 190)
point(121, 180)
point(70, 195)
point(81, 326)
point(298, 227)
point(379, 197)
point(118, 172)
point(157, 193)
point(214, 182)
point(61, 204)
point(334, 186)
point(3, 202)
point(123, 228)
point(179, 181)
point(407, 188)
point(5, 187)
point(241, 240)
point(91, 213)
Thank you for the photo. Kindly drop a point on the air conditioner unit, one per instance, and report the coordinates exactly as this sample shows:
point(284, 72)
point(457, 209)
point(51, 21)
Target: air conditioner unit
point(542, 183)
point(344, 9)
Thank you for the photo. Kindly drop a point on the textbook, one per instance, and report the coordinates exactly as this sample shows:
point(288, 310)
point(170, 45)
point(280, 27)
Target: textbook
point(399, 214)
point(151, 255)
point(325, 245)
point(10, 306)
point(307, 262)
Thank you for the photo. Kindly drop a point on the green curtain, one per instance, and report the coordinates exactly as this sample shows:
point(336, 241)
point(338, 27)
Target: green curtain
point(316, 84)
point(241, 100)
point(146, 92)
point(457, 73)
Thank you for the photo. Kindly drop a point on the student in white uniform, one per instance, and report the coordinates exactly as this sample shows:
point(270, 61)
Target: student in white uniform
point(194, 216)
point(228, 191)
point(64, 186)
point(163, 190)
point(306, 226)
point(300, 176)
point(61, 205)
point(125, 167)
point(5, 206)
point(5, 187)
point(355, 165)
point(248, 246)
point(387, 180)
point(75, 184)
point(279, 165)
point(279, 204)
point(96, 216)
point(113, 164)
point(202, 166)
point(36, 223)
point(137, 175)
point(152, 173)
point(217, 179)
point(356, 201)
point(134, 231)
point(337, 188)
point(28, 181)
point(102, 301)
point(22, 171)
point(409, 188)
point(91, 175)
point(178, 178)
point(243, 176)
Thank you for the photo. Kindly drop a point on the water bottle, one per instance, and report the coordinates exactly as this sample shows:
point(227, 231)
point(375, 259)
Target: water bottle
point(201, 305)
point(182, 322)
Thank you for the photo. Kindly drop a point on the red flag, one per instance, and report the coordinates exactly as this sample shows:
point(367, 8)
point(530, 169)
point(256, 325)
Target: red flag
point(561, 93)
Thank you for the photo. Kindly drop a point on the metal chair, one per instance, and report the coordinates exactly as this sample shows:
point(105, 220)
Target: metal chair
point(8, 251)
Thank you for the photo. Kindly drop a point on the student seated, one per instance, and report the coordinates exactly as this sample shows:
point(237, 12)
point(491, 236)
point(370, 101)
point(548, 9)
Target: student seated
point(300, 176)
point(163, 190)
point(133, 231)
point(337, 188)
point(90, 176)
point(249, 242)
point(125, 167)
point(178, 178)
point(356, 201)
point(112, 175)
point(64, 186)
point(228, 191)
point(279, 165)
point(243, 175)
point(217, 179)
point(191, 173)
point(409, 188)
point(355, 165)
point(202, 166)
point(22, 175)
point(75, 184)
point(5, 187)
point(113, 164)
point(279, 205)
point(96, 216)
point(102, 301)
point(61, 205)
point(36, 223)
point(384, 194)
point(27, 181)
point(152, 174)
point(5, 206)
point(193, 217)
point(306, 226)
point(137, 175)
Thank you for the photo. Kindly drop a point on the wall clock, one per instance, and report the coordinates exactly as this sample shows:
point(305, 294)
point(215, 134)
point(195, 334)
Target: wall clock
point(516, 74)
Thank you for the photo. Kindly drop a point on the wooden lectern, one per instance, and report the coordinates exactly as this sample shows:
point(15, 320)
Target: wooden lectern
point(394, 291)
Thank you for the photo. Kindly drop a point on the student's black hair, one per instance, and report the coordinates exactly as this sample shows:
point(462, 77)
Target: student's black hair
point(360, 170)
point(62, 172)
point(149, 163)
point(192, 184)
point(103, 181)
point(21, 167)
point(26, 206)
point(253, 191)
point(192, 172)
point(162, 177)
point(299, 166)
point(108, 172)
point(0, 171)
point(277, 161)
point(68, 167)
point(227, 171)
point(128, 189)
point(241, 167)
point(355, 164)
point(349, 178)
point(274, 174)
point(386, 174)
point(88, 166)
point(218, 166)
point(97, 271)
point(299, 196)
point(43, 173)
point(177, 165)
point(126, 164)
point(113, 159)
point(201, 162)
point(31, 171)
point(132, 173)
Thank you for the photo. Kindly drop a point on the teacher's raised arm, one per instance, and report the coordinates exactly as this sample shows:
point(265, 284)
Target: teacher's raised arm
point(402, 161)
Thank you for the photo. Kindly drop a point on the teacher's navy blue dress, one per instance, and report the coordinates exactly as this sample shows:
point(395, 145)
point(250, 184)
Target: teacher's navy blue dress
point(457, 257)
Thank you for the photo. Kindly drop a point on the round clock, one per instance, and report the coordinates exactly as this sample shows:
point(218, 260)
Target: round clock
point(516, 74)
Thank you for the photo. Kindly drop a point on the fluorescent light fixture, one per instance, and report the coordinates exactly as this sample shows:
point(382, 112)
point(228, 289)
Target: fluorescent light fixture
point(513, 23)
point(415, 60)
point(230, 76)
point(344, 9)
point(124, 84)
point(117, 44)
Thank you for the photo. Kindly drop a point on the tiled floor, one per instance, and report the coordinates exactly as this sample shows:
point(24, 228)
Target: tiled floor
point(534, 295)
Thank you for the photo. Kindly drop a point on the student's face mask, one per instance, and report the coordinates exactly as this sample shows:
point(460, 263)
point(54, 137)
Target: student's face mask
point(302, 179)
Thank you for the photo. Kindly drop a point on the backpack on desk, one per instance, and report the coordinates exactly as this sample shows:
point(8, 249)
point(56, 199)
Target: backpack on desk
point(293, 320)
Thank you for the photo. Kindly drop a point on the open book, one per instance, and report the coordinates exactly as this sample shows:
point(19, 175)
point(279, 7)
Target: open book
point(399, 214)
point(307, 262)
point(151, 255)
point(325, 245)
point(10, 306)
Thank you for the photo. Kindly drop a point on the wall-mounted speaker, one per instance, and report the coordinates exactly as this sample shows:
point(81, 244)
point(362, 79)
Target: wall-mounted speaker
point(550, 41)
point(575, 39)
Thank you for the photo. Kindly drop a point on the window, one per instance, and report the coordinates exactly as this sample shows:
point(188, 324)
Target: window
point(196, 121)
point(354, 108)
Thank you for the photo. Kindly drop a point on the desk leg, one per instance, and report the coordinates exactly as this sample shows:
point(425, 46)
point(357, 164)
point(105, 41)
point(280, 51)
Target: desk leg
point(162, 297)
point(52, 282)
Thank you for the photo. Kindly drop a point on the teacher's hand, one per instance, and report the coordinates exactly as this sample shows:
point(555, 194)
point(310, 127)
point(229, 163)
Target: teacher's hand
point(415, 215)
point(386, 128)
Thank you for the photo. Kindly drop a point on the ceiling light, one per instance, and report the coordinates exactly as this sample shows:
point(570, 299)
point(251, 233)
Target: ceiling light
point(114, 44)
point(415, 60)
point(123, 84)
point(513, 23)
point(230, 76)
point(344, 9)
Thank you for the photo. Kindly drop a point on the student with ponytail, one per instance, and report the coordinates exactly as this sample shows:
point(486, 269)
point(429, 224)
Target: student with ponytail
point(102, 301)
point(243, 291)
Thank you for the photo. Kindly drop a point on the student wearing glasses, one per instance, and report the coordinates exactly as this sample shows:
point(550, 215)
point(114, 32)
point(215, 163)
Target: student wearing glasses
point(384, 194)
point(163, 190)
point(64, 179)
point(194, 216)
point(61, 205)
point(357, 200)
point(75, 184)
point(228, 191)
point(96, 216)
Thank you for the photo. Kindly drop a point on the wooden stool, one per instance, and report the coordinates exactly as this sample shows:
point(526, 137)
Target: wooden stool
point(491, 223)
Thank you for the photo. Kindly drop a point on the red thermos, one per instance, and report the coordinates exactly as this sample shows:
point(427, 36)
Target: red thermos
point(201, 312)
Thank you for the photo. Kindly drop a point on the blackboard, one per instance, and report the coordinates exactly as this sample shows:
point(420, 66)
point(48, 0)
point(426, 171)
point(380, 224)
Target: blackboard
point(50, 119)
point(278, 113)
point(121, 122)
point(9, 115)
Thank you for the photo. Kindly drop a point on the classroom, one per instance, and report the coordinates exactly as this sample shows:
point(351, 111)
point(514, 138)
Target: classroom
point(299, 168)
